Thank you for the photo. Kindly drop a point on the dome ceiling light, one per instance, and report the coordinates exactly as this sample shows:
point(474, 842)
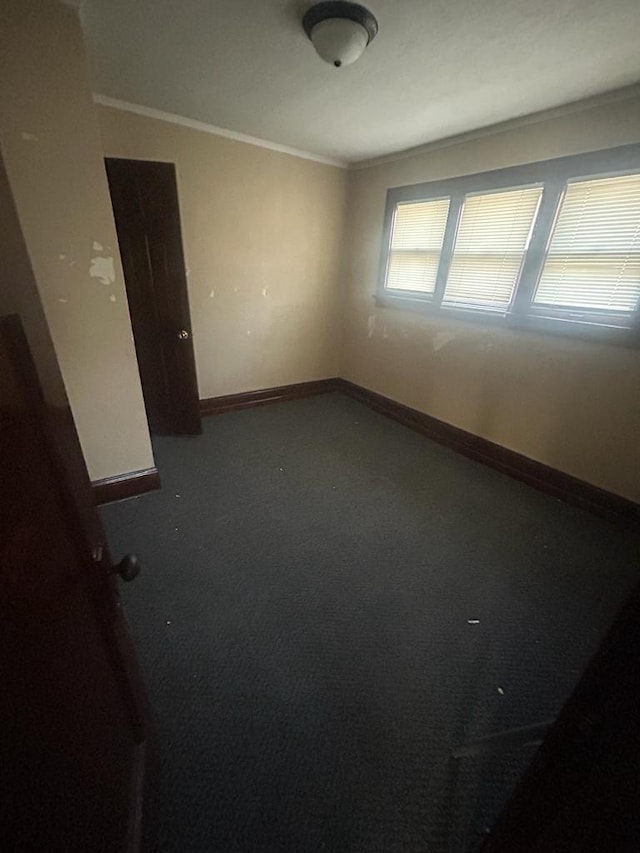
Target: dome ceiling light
point(339, 31)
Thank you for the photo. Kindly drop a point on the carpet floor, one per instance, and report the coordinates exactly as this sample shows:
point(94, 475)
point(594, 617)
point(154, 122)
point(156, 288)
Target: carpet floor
point(329, 605)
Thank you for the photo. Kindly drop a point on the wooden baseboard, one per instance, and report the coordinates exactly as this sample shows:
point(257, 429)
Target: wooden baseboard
point(125, 486)
point(230, 402)
point(536, 474)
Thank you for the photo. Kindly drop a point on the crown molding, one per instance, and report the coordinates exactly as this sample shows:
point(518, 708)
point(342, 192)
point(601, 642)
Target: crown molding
point(585, 104)
point(611, 97)
point(172, 118)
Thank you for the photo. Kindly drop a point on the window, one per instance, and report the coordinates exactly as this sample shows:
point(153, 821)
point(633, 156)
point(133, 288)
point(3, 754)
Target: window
point(553, 246)
point(491, 242)
point(593, 262)
point(416, 243)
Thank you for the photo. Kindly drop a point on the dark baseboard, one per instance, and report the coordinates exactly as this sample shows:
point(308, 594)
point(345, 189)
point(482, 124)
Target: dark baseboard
point(230, 402)
point(536, 474)
point(125, 485)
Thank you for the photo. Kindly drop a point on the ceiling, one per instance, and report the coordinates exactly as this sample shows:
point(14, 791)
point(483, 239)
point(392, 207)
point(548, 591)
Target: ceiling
point(437, 67)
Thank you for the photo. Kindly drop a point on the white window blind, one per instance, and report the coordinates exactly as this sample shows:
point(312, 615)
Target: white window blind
point(593, 260)
point(491, 242)
point(416, 242)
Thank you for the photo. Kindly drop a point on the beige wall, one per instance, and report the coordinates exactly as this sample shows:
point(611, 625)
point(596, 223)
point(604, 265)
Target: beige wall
point(262, 234)
point(569, 404)
point(53, 156)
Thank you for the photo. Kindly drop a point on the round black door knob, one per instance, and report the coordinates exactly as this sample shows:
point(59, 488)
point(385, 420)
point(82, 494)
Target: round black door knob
point(128, 568)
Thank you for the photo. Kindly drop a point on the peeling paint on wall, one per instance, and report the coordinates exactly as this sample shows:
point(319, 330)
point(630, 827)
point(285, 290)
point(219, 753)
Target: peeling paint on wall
point(63, 257)
point(212, 294)
point(265, 291)
point(112, 298)
point(29, 137)
point(371, 325)
point(97, 247)
point(103, 269)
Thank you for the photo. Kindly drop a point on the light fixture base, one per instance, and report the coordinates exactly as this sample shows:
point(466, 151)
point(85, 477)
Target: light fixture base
point(338, 9)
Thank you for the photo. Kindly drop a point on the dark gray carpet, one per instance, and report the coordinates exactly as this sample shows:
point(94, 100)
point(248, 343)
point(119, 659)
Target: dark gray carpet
point(302, 622)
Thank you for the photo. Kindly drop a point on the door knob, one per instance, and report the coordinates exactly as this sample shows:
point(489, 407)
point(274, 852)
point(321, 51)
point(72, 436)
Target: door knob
point(183, 334)
point(128, 568)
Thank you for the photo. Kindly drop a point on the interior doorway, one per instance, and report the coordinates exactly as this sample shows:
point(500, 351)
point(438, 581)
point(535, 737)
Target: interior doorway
point(144, 196)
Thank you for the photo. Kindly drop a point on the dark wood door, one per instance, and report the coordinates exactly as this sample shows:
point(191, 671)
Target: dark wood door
point(145, 205)
point(73, 718)
point(582, 791)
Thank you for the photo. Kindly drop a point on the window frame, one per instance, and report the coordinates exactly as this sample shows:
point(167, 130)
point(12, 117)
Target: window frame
point(553, 175)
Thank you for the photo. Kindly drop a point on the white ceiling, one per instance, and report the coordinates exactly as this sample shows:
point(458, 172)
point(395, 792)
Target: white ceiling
point(437, 67)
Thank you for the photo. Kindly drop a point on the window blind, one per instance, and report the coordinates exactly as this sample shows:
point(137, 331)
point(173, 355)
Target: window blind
point(416, 243)
point(593, 261)
point(491, 242)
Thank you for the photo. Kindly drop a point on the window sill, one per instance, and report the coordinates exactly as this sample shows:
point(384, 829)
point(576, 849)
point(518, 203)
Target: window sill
point(591, 332)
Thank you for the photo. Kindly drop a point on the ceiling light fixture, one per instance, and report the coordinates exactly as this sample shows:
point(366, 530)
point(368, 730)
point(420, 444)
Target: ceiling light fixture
point(339, 31)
